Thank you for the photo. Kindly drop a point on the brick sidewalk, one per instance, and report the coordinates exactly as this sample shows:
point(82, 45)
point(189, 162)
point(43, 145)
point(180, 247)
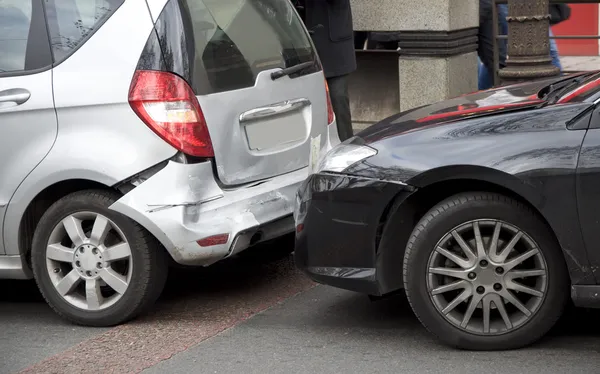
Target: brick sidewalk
point(580, 63)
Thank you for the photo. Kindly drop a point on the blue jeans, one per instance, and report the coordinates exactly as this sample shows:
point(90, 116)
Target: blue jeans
point(486, 78)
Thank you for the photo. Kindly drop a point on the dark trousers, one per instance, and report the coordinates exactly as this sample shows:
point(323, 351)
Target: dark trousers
point(340, 100)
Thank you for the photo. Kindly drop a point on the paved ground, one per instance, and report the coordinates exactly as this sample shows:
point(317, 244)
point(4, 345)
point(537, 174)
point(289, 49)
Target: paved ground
point(261, 315)
point(580, 63)
point(332, 331)
point(196, 304)
point(29, 330)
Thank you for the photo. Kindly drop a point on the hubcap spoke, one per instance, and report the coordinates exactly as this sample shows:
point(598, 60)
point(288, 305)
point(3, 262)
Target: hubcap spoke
point(522, 288)
point(453, 273)
point(494, 242)
point(497, 300)
point(509, 247)
point(68, 283)
point(457, 300)
point(115, 281)
point(454, 258)
point(475, 300)
point(450, 287)
point(73, 228)
point(117, 252)
point(520, 259)
point(100, 230)
point(478, 241)
point(514, 301)
point(464, 246)
point(93, 296)
point(516, 274)
point(60, 253)
point(486, 314)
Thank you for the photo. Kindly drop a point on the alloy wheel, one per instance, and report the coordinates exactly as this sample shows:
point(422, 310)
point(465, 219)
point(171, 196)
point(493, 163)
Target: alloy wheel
point(89, 262)
point(487, 277)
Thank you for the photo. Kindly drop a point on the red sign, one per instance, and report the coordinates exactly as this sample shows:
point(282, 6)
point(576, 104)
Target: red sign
point(583, 21)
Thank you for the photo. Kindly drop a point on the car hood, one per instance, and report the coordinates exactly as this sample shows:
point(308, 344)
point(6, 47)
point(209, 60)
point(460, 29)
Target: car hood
point(477, 104)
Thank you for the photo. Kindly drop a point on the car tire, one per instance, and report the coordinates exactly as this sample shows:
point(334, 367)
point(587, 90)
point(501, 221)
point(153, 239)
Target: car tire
point(126, 281)
point(434, 305)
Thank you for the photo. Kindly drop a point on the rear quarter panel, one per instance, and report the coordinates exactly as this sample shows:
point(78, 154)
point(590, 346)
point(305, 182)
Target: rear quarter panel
point(99, 136)
point(531, 153)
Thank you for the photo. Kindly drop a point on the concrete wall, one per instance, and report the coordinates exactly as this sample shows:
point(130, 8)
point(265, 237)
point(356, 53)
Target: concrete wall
point(410, 15)
point(386, 83)
point(374, 87)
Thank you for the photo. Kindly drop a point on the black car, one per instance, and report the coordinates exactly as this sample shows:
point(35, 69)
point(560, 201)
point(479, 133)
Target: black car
point(485, 209)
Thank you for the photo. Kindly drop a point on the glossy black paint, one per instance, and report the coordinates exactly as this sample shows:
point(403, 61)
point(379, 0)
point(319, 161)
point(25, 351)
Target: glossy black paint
point(527, 149)
point(529, 152)
point(588, 194)
point(343, 216)
point(586, 296)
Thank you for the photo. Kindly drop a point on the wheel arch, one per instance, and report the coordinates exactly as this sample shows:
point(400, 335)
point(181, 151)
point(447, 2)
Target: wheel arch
point(42, 201)
point(404, 212)
point(480, 174)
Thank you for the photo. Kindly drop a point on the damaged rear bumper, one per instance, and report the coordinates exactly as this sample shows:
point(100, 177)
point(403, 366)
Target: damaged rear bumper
point(182, 206)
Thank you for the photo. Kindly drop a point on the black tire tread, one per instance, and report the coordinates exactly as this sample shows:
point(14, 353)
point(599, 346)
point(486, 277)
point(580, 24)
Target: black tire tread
point(153, 258)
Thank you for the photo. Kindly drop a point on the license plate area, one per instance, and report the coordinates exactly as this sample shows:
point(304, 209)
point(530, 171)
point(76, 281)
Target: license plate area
point(269, 131)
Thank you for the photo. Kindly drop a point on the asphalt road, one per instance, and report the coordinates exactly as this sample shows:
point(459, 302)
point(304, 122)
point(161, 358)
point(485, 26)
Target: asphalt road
point(261, 315)
point(29, 330)
point(331, 331)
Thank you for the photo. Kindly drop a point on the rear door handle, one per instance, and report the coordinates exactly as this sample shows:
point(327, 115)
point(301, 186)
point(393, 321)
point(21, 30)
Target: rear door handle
point(14, 96)
point(274, 110)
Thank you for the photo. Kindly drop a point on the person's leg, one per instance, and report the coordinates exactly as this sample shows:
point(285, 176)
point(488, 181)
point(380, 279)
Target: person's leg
point(340, 100)
point(486, 45)
point(485, 78)
point(360, 38)
point(554, 52)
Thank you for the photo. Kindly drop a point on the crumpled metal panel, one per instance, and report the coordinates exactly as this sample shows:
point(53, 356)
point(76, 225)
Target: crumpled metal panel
point(182, 204)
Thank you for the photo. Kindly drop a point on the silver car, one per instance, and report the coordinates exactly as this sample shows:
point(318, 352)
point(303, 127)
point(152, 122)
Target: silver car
point(134, 131)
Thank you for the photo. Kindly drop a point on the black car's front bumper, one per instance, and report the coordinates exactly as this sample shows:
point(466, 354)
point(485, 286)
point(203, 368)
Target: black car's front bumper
point(338, 222)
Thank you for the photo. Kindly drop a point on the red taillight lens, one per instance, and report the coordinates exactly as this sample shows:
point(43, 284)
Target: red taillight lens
point(330, 114)
point(167, 104)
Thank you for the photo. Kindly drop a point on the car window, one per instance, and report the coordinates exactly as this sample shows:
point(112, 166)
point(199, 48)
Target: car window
point(225, 44)
point(15, 22)
point(71, 22)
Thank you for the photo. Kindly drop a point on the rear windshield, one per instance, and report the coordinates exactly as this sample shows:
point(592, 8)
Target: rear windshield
point(222, 45)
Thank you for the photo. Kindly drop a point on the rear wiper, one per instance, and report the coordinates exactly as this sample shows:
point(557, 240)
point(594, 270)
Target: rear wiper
point(291, 70)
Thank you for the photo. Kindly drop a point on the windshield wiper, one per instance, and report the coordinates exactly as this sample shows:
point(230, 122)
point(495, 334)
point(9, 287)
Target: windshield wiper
point(292, 70)
point(556, 90)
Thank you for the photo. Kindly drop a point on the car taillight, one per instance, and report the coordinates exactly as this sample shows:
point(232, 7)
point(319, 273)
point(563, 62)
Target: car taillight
point(167, 104)
point(330, 114)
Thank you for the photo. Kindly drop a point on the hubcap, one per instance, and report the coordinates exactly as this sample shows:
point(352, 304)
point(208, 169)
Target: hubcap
point(89, 261)
point(487, 277)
